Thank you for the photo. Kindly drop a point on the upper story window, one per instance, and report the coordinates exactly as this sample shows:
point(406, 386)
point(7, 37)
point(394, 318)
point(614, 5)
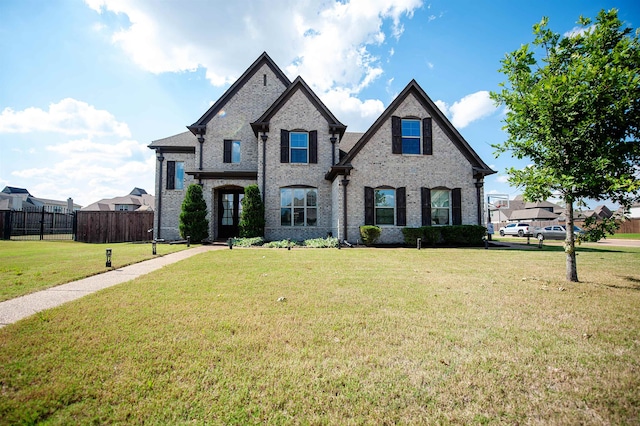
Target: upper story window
point(299, 146)
point(175, 175)
point(411, 136)
point(231, 151)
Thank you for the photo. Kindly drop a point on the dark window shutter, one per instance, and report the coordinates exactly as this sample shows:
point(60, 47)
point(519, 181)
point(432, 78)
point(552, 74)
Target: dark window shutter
point(227, 151)
point(396, 135)
point(313, 146)
point(456, 206)
point(427, 137)
point(368, 205)
point(171, 175)
point(425, 196)
point(284, 146)
point(401, 206)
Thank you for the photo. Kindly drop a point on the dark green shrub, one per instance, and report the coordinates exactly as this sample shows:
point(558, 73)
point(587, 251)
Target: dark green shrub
point(252, 220)
point(370, 234)
point(432, 235)
point(193, 217)
point(457, 235)
point(411, 236)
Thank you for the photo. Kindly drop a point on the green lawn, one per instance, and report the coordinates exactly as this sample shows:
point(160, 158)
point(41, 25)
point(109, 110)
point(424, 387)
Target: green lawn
point(364, 336)
point(625, 237)
point(28, 266)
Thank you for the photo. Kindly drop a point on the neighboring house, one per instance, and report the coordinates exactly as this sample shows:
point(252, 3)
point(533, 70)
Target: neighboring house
point(410, 168)
point(12, 198)
point(137, 200)
point(634, 211)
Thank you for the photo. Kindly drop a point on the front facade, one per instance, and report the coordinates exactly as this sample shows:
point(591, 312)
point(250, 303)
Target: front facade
point(411, 168)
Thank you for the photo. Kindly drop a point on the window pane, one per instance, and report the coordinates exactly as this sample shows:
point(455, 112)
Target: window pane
point(298, 197)
point(299, 140)
point(312, 197)
point(385, 197)
point(299, 155)
point(384, 216)
point(235, 152)
point(411, 128)
point(240, 198)
point(312, 217)
point(179, 182)
point(410, 145)
point(285, 197)
point(439, 198)
point(285, 217)
point(440, 216)
point(298, 217)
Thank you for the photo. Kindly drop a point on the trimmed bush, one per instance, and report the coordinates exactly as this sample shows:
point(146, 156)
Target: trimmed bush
point(370, 234)
point(328, 242)
point(252, 220)
point(248, 242)
point(193, 217)
point(457, 235)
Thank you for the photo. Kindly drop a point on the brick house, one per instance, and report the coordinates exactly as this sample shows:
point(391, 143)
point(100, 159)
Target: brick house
point(411, 168)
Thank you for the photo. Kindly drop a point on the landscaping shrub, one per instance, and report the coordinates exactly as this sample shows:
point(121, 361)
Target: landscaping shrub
point(457, 235)
point(252, 220)
point(248, 242)
point(328, 242)
point(281, 244)
point(193, 217)
point(370, 234)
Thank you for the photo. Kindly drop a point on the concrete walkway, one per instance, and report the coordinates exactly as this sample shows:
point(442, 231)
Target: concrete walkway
point(21, 307)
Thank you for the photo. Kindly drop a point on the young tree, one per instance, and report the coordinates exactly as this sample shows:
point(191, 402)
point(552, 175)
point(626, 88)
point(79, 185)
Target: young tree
point(575, 113)
point(193, 218)
point(252, 221)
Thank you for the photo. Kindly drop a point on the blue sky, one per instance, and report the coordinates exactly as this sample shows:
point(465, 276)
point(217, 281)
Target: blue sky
point(85, 86)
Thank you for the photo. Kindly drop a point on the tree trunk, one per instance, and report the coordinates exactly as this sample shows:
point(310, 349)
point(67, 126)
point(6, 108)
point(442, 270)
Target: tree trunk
point(570, 244)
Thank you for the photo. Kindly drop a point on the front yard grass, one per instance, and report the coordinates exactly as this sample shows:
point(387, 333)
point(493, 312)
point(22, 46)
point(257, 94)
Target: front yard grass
point(326, 336)
point(29, 266)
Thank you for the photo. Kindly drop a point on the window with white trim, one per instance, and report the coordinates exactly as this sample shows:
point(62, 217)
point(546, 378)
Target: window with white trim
point(298, 206)
point(411, 137)
point(299, 147)
point(385, 205)
point(440, 207)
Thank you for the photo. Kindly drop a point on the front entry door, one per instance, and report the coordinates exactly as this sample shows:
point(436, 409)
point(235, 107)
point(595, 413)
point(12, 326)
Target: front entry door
point(229, 211)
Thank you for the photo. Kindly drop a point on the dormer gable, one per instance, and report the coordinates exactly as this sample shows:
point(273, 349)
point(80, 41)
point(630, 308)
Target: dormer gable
point(262, 123)
point(199, 127)
point(436, 118)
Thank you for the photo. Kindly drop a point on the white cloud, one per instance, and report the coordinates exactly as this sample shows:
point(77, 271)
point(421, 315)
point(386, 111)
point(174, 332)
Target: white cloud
point(90, 171)
point(305, 37)
point(468, 109)
point(69, 116)
point(575, 31)
point(502, 179)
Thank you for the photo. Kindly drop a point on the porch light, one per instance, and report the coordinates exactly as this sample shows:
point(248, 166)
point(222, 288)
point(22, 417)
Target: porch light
point(108, 264)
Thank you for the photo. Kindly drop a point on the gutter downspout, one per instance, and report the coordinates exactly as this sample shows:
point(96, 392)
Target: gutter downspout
point(201, 140)
point(159, 201)
point(344, 183)
point(333, 140)
point(264, 138)
point(479, 184)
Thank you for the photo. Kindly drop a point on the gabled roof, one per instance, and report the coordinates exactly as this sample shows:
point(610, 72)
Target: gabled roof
point(414, 88)
point(533, 214)
point(262, 123)
point(14, 190)
point(200, 125)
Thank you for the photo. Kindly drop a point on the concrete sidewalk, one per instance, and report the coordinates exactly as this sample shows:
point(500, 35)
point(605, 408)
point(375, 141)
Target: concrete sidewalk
point(21, 307)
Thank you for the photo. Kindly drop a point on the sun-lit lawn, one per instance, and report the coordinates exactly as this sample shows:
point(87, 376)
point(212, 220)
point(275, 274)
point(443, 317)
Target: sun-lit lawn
point(362, 336)
point(28, 266)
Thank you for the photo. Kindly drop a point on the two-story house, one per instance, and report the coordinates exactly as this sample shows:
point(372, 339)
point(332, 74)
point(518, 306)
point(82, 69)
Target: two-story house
point(411, 168)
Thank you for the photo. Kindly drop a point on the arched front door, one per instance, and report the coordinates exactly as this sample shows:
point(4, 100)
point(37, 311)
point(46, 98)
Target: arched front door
point(229, 212)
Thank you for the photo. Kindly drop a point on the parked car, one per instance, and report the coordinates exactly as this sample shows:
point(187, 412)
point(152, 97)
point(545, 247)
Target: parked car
point(556, 232)
point(517, 229)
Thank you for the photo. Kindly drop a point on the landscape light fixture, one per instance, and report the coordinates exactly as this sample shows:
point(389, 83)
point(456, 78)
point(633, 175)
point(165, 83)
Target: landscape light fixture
point(108, 264)
point(153, 247)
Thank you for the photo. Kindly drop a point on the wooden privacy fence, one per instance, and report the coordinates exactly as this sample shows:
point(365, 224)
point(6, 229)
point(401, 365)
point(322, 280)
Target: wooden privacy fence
point(114, 226)
point(630, 226)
